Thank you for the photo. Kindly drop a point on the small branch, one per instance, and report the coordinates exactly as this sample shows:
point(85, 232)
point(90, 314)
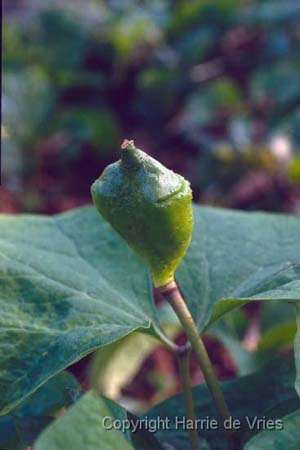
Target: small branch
point(172, 294)
point(183, 356)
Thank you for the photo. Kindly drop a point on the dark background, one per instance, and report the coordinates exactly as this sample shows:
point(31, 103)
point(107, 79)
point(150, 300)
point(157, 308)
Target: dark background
point(211, 89)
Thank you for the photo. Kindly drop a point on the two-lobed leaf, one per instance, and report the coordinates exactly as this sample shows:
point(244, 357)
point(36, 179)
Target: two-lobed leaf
point(86, 425)
point(96, 422)
point(236, 257)
point(69, 284)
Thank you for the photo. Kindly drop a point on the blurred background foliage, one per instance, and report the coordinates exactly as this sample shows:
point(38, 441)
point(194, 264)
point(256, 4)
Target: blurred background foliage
point(210, 88)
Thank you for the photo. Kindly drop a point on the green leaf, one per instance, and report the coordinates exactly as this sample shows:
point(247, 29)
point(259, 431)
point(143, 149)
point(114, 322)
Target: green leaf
point(60, 391)
point(94, 419)
point(143, 438)
point(68, 284)
point(269, 393)
point(9, 440)
point(236, 257)
point(84, 427)
point(21, 427)
point(287, 438)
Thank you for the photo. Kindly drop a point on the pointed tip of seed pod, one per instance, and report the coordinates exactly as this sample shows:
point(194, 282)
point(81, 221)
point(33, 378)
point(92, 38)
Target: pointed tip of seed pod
point(129, 155)
point(127, 144)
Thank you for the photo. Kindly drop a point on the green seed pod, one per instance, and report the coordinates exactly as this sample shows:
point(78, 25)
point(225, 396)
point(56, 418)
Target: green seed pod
point(150, 207)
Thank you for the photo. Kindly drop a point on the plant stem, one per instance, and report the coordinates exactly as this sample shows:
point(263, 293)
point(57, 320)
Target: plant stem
point(183, 356)
point(172, 294)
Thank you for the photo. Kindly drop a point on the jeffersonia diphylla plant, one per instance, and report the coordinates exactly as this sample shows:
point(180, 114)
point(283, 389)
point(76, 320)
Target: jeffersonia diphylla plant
point(150, 206)
point(70, 285)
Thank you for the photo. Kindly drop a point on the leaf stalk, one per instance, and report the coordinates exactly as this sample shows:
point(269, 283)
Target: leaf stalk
point(183, 357)
point(172, 294)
